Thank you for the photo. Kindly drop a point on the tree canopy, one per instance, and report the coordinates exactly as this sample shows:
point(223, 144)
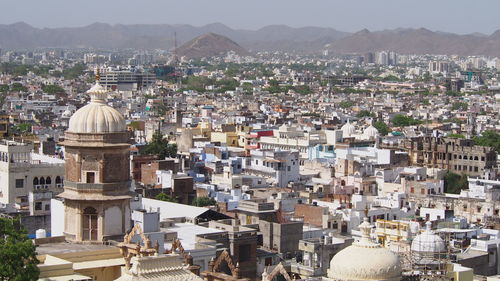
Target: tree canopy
point(489, 138)
point(165, 197)
point(454, 183)
point(17, 252)
point(401, 120)
point(382, 128)
point(203, 201)
point(160, 146)
point(365, 113)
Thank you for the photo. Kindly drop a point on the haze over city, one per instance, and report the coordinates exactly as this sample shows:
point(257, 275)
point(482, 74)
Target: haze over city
point(265, 140)
point(457, 16)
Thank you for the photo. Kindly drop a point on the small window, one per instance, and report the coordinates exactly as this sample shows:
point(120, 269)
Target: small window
point(38, 206)
point(47, 207)
point(90, 177)
point(19, 183)
point(289, 168)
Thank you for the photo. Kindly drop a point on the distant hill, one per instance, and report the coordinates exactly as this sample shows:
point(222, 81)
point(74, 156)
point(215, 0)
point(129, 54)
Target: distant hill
point(269, 38)
point(210, 45)
point(155, 36)
point(418, 41)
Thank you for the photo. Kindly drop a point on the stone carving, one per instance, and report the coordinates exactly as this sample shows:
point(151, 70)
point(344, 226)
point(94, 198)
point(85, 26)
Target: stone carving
point(278, 270)
point(214, 265)
point(130, 250)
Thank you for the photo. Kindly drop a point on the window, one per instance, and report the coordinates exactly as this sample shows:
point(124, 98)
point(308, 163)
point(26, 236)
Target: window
point(47, 207)
point(35, 181)
point(38, 206)
point(412, 190)
point(19, 183)
point(268, 261)
point(90, 177)
point(42, 180)
point(58, 180)
point(48, 180)
point(289, 168)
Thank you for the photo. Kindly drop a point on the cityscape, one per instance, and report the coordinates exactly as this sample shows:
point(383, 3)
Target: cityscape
point(210, 151)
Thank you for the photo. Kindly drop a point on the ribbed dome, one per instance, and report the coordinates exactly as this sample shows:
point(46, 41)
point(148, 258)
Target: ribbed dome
point(370, 132)
point(348, 129)
point(97, 116)
point(428, 242)
point(365, 260)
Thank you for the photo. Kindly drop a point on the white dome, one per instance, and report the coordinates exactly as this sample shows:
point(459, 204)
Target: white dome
point(348, 129)
point(97, 116)
point(365, 260)
point(66, 114)
point(428, 241)
point(370, 132)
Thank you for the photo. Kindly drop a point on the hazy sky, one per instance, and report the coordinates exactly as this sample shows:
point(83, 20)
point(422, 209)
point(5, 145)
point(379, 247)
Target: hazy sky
point(459, 16)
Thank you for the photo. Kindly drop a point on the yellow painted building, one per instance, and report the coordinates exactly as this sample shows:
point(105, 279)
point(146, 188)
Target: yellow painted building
point(391, 231)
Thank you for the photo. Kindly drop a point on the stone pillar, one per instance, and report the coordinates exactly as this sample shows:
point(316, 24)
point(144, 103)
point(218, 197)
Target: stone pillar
point(78, 227)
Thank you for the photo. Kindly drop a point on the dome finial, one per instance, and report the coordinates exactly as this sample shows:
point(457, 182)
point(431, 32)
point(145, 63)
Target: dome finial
point(97, 93)
point(97, 75)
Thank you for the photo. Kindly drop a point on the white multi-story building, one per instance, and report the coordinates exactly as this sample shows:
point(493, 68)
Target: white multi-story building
point(410, 180)
point(482, 189)
point(22, 171)
point(279, 166)
point(310, 145)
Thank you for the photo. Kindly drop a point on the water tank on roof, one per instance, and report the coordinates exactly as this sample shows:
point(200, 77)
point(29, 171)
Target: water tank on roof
point(40, 233)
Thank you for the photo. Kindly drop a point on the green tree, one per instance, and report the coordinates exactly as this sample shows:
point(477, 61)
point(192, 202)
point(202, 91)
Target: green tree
point(203, 201)
point(454, 183)
point(456, 136)
point(160, 146)
point(401, 120)
point(165, 197)
point(382, 128)
point(489, 138)
point(53, 89)
point(365, 113)
point(23, 128)
point(17, 252)
point(459, 106)
point(18, 87)
point(346, 104)
point(74, 72)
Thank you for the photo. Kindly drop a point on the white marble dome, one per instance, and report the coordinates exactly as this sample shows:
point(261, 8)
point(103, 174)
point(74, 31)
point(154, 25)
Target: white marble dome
point(97, 117)
point(428, 242)
point(370, 132)
point(348, 129)
point(365, 260)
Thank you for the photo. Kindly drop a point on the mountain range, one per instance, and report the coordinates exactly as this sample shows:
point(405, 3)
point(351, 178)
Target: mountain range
point(209, 45)
point(270, 38)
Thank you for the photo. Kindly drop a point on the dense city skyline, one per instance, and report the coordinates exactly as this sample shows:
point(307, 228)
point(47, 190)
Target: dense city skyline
point(350, 17)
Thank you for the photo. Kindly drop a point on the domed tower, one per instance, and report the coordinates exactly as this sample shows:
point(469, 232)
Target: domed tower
point(97, 178)
point(365, 260)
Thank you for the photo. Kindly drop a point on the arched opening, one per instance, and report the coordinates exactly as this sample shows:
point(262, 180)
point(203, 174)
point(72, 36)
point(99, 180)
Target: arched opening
point(89, 224)
point(42, 180)
point(48, 180)
point(35, 181)
point(58, 180)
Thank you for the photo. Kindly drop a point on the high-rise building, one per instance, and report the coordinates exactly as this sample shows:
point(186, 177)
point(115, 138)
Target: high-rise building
point(96, 190)
point(126, 80)
point(383, 58)
point(369, 58)
point(439, 67)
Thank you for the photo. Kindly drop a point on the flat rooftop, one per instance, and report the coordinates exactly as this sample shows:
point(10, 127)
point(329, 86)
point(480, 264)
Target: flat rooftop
point(65, 247)
point(186, 233)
